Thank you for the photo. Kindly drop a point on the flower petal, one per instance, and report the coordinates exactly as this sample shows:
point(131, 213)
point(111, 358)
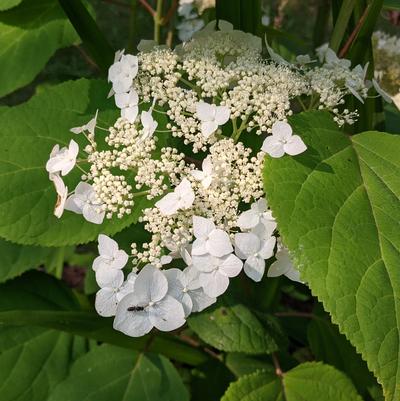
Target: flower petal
point(295, 146)
point(167, 314)
point(254, 268)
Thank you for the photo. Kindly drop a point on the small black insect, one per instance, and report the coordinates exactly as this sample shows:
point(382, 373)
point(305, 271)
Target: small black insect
point(135, 308)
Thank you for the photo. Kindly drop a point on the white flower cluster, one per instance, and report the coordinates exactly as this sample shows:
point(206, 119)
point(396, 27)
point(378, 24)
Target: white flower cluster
point(387, 63)
point(177, 144)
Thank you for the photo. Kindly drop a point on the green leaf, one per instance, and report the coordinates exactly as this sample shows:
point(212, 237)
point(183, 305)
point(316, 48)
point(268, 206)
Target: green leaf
point(7, 4)
point(33, 360)
point(392, 119)
point(338, 211)
point(17, 259)
point(29, 35)
point(242, 364)
point(110, 373)
point(243, 14)
point(331, 347)
point(28, 133)
point(25, 302)
point(92, 38)
point(307, 382)
point(232, 327)
point(392, 4)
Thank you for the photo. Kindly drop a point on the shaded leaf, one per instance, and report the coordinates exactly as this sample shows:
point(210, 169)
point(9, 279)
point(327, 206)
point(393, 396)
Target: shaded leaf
point(29, 35)
point(232, 327)
point(16, 259)
point(111, 373)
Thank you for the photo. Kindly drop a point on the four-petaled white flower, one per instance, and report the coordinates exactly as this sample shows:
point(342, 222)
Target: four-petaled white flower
point(283, 141)
point(283, 265)
point(107, 298)
point(89, 127)
point(214, 273)
point(128, 103)
point(254, 251)
point(149, 124)
point(181, 198)
point(62, 193)
point(63, 160)
point(185, 287)
point(211, 116)
point(84, 201)
point(110, 256)
point(206, 174)
point(122, 72)
point(149, 306)
point(209, 239)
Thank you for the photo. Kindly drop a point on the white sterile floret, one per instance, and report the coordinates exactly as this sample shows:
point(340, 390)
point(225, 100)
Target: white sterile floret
point(122, 72)
point(252, 217)
point(110, 283)
point(181, 198)
point(128, 103)
point(62, 193)
point(214, 273)
point(254, 251)
point(186, 29)
point(148, 123)
point(211, 117)
point(110, 256)
point(283, 141)
point(149, 306)
point(209, 239)
point(84, 201)
point(385, 96)
point(185, 287)
point(205, 175)
point(89, 127)
point(283, 265)
point(63, 160)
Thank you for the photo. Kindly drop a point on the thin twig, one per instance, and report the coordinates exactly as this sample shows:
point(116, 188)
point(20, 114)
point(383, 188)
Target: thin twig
point(148, 7)
point(354, 34)
point(87, 58)
point(170, 13)
point(277, 365)
point(191, 341)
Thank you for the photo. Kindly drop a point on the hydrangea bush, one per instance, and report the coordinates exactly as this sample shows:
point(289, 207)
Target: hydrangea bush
point(234, 204)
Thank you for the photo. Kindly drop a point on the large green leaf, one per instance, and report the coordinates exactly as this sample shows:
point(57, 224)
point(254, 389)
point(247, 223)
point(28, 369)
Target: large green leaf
point(232, 327)
point(28, 133)
point(307, 382)
point(33, 360)
point(16, 259)
point(338, 210)
point(28, 301)
point(29, 35)
point(111, 373)
point(6, 4)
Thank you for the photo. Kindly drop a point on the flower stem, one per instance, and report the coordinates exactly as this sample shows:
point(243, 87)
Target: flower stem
point(158, 21)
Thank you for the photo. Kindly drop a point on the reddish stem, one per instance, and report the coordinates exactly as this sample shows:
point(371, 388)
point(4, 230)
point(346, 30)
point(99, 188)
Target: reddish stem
point(354, 34)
